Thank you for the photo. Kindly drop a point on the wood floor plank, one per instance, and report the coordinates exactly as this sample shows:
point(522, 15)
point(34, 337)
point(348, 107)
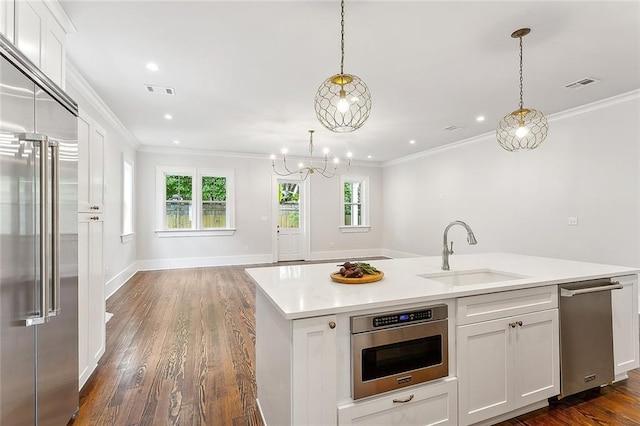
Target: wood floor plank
point(181, 351)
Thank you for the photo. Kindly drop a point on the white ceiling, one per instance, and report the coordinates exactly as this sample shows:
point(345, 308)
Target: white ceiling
point(246, 73)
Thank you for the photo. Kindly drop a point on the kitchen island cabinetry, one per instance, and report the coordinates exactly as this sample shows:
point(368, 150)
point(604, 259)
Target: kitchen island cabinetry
point(508, 362)
point(429, 404)
point(625, 326)
point(503, 339)
point(297, 367)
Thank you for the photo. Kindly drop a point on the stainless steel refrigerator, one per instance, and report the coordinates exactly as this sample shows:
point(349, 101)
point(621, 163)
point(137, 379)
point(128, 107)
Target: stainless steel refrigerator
point(38, 246)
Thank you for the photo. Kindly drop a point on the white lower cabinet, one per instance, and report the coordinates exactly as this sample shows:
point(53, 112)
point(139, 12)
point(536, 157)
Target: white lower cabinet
point(315, 371)
point(506, 363)
point(625, 326)
point(91, 301)
point(429, 404)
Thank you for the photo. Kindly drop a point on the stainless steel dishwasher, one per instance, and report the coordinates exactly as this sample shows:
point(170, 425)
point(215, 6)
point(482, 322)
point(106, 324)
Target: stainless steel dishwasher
point(586, 335)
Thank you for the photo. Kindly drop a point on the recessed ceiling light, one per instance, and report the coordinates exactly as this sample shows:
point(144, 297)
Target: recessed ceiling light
point(480, 118)
point(152, 67)
point(412, 141)
point(168, 116)
point(368, 156)
point(176, 142)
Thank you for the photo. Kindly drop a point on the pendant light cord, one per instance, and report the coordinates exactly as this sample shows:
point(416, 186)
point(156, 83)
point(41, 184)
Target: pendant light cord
point(342, 38)
point(521, 79)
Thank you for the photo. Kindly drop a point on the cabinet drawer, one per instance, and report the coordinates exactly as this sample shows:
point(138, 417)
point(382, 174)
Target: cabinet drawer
point(486, 307)
point(428, 404)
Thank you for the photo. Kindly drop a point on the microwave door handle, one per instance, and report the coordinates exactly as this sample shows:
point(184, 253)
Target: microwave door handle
point(41, 141)
point(55, 229)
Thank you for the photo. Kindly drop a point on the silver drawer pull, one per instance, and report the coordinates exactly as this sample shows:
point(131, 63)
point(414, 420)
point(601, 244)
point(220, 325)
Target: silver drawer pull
point(403, 401)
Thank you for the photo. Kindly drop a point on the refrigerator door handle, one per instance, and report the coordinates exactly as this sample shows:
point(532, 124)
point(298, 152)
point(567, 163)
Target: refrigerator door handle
point(55, 229)
point(42, 142)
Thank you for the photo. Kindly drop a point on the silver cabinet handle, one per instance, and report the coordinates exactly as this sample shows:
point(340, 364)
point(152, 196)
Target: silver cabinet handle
point(403, 401)
point(332, 325)
point(519, 323)
point(95, 218)
point(41, 141)
point(95, 207)
point(565, 292)
point(55, 229)
point(512, 324)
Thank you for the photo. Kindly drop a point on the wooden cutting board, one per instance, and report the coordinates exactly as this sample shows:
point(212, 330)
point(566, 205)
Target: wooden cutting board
point(365, 279)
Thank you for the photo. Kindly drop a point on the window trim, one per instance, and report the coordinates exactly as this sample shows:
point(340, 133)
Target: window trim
point(365, 227)
point(196, 179)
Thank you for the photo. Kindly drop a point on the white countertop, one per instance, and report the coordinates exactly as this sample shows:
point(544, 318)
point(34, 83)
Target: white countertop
point(301, 291)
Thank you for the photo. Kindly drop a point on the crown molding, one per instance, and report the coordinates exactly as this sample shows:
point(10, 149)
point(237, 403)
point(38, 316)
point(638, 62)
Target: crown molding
point(582, 109)
point(78, 81)
point(61, 16)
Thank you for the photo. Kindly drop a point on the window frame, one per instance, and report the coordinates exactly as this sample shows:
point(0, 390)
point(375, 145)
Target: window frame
point(365, 226)
point(196, 229)
point(128, 235)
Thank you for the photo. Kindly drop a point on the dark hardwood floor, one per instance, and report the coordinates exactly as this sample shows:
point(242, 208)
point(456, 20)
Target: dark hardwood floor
point(180, 351)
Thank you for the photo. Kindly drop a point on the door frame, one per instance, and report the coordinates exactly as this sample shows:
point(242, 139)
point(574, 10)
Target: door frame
point(304, 209)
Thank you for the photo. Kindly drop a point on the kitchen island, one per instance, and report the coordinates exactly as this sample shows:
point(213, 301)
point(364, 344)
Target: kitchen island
point(303, 338)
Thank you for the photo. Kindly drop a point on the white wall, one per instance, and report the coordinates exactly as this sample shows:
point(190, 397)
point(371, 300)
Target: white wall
point(520, 202)
point(119, 258)
point(252, 242)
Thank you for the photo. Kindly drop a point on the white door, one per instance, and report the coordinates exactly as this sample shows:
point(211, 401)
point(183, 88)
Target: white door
point(290, 220)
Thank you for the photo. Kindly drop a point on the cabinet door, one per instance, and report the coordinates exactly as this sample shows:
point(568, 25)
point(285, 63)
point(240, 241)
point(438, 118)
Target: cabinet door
point(7, 14)
point(53, 52)
point(536, 351)
point(29, 24)
point(422, 405)
point(484, 368)
point(315, 384)
point(91, 306)
point(625, 326)
point(91, 139)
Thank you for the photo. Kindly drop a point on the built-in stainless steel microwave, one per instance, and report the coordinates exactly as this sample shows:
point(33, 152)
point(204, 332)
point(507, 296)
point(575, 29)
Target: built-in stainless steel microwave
point(393, 350)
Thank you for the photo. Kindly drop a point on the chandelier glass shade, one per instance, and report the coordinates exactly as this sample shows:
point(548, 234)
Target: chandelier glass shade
point(524, 128)
point(343, 101)
point(310, 165)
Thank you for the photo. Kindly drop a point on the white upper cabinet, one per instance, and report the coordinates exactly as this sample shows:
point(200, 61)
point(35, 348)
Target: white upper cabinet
point(6, 18)
point(38, 29)
point(91, 140)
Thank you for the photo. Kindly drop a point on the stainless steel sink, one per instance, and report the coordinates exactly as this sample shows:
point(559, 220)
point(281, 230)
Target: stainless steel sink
point(471, 277)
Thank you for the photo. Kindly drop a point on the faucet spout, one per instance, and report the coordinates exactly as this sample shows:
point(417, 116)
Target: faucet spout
point(471, 239)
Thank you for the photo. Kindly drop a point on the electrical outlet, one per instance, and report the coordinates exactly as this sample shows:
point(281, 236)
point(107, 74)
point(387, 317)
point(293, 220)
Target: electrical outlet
point(331, 244)
point(572, 221)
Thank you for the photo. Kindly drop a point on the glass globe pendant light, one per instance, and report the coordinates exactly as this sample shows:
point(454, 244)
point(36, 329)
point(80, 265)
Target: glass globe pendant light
point(343, 101)
point(524, 128)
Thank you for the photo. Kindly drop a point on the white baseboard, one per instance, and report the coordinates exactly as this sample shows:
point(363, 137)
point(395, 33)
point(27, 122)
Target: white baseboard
point(346, 254)
point(118, 281)
point(202, 262)
point(396, 254)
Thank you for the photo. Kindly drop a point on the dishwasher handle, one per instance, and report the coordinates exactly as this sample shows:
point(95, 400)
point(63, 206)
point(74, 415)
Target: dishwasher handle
point(565, 292)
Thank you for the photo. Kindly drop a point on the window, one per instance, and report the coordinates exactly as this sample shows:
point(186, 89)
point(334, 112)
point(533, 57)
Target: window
point(127, 200)
point(354, 204)
point(194, 201)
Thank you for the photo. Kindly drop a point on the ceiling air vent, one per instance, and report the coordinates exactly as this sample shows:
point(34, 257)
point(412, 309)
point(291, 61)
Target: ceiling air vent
point(581, 83)
point(160, 90)
point(452, 128)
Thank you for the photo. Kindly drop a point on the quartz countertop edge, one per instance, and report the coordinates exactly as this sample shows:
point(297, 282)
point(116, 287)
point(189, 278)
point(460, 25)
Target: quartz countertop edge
point(306, 290)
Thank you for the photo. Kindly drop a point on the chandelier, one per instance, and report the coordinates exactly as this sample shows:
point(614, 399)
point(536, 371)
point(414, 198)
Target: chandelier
point(525, 128)
point(343, 101)
point(306, 168)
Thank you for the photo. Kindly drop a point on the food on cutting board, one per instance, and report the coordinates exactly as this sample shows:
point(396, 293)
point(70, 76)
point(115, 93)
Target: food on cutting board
point(357, 269)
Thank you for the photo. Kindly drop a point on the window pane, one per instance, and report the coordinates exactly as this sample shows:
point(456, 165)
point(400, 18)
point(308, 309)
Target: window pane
point(289, 205)
point(214, 188)
point(127, 199)
point(214, 206)
point(357, 192)
point(347, 192)
point(179, 212)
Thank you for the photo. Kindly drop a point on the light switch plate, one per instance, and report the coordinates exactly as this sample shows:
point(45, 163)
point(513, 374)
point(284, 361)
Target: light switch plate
point(572, 221)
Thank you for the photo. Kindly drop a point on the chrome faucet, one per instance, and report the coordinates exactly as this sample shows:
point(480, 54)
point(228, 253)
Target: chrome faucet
point(471, 239)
